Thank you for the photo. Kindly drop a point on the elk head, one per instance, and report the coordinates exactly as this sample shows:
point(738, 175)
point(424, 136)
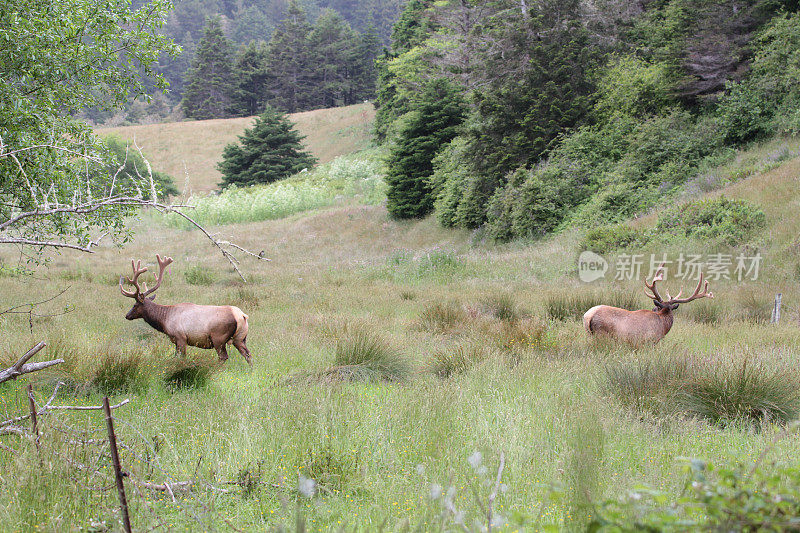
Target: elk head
point(140, 295)
point(643, 325)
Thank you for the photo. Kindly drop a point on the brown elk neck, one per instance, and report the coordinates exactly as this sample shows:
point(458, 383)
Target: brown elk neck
point(666, 317)
point(155, 314)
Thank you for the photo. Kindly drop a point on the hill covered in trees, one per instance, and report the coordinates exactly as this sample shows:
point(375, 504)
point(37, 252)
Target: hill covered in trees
point(579, 112)
point(237, 57)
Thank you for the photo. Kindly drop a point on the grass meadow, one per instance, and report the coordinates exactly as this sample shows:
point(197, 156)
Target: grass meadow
point(394, 364)
point(189, 151)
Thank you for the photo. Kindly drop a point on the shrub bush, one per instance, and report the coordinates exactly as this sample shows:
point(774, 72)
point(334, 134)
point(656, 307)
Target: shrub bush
point(719, 220)
point(606, 239)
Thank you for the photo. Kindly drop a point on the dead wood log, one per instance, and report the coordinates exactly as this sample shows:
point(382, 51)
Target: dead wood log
point(23, 367)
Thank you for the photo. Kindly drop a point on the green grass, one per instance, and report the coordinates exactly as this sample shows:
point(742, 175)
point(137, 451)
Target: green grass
point(526, 380)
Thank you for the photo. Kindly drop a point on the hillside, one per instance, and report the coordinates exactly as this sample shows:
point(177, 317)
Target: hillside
point(189, 151)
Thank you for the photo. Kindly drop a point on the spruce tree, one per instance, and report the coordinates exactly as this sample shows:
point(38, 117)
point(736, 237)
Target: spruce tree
point(289, 61)
point(269, 151)
point(208, 82)
point(431, 126)
point(251, 80)
point(333, 43)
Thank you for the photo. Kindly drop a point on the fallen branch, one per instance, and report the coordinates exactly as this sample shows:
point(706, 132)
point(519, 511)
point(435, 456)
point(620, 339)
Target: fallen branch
point(23, 367)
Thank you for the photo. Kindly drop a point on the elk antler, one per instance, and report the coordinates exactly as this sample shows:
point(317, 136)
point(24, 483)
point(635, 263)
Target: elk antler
point(658, 276)
point(162, 264)
point(137, 271)
point(697, 294)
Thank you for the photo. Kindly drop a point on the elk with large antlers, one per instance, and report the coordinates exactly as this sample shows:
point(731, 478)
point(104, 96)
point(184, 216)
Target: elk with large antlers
point(202, 326)
point(643, 325)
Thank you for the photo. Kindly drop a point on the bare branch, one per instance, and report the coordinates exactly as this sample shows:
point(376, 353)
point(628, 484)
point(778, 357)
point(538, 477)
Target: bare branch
point(23, 367)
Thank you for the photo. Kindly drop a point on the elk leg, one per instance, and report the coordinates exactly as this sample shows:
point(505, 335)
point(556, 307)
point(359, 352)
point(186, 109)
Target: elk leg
point(221, 351)
point(242, 347)
point(180, 345)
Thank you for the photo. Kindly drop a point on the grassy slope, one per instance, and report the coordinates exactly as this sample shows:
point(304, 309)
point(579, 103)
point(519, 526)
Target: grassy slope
point(189, 151)
point(353, 265)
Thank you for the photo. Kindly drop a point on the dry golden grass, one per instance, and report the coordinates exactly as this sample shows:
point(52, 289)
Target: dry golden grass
point(190, 151)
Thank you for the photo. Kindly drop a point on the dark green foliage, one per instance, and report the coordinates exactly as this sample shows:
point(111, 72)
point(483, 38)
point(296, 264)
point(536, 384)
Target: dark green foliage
point(717, 220)
point(290, 62)
point(770, 95)
point(271, 150)
point(134, 169)
point(410, 162)
point(209, 81)
point(392, 101)
point(518, 117)
point(334, 44)
point(251, 81)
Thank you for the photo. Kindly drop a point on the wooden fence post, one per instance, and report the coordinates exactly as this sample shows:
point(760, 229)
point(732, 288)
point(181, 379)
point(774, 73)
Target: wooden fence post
point(776, 310)
point(34, 420)
point(112, 441)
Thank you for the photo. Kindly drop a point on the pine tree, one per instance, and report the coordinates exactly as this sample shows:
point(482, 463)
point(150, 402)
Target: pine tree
point(289, 61)
point(208, 82)
point(251, 80)
point(432, 125)
point(361, 66)
point(269, 151)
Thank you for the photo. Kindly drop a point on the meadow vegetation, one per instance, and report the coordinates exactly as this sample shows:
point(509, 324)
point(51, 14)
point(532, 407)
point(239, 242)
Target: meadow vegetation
point(397, 366)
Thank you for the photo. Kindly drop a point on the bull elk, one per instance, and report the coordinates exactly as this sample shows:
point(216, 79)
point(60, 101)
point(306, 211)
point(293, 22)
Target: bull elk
point(643, 325)
point(202, 326)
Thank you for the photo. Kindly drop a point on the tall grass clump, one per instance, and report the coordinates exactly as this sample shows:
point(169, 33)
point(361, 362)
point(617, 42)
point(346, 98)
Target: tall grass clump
point(572, 305)
point(705, 312)
point(442, 317)
point(648, 385)
point(363, 356)
point(117, 372)
point(754, 307)
point(750, 393)
point(448, 362)
point(714, 390)
point(198, 275)
point(501, 306)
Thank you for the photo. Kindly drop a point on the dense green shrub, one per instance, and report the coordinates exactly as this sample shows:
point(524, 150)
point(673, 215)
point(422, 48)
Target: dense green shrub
point(605, 239)
point(719, 220)
point(632, 87)
point(363, 356)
